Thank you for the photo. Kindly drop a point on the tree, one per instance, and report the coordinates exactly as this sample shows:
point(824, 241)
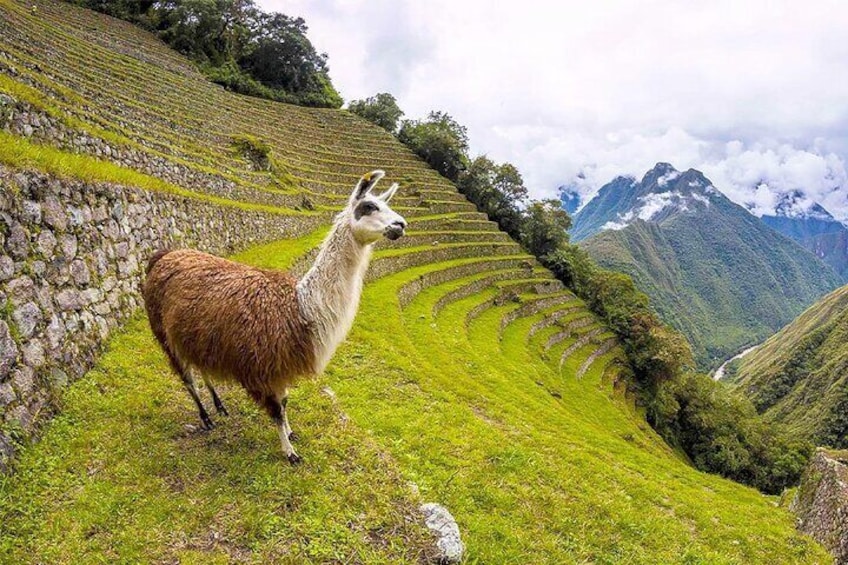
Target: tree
point(497, 190)
point(545, 227)
point(440, 141)
point(280, 56)
point(381, 109)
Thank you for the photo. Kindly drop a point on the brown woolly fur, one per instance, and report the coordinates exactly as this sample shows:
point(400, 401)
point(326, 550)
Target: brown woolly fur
point(228, 320)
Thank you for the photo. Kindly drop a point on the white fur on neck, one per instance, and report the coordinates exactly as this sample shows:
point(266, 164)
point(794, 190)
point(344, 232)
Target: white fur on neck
point(328, 295)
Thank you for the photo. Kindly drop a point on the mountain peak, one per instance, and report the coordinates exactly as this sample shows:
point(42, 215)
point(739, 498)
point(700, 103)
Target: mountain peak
point(661, 174)
point(663, 193)
point(796, 204)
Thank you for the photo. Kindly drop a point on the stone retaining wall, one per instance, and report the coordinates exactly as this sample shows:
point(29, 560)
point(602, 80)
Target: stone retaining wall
point(821, 502)
point(72, 256)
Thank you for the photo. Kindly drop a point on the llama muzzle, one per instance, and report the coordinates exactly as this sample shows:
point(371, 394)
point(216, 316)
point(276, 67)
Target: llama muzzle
point(395, 231)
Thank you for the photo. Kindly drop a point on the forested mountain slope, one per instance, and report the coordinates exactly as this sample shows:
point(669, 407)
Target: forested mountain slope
point(800, 375)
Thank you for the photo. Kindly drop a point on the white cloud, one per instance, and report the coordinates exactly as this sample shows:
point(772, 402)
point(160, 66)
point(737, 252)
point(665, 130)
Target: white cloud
point(614, 226)
point(653, 204)
point(748, 92)
point(667, 178)
point(701, 198)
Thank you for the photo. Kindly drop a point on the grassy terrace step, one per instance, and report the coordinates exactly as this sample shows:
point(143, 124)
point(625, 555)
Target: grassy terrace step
point(437, 239)
point(555, 317)
point(442, 272)
point(461, 288)
point(396, 260)
point(521, 302)
point(452, 223)
point(536, 306)
point(567, 327)
point(603, 349)
point(586, 336)
point(433, 221)
point(21, 154)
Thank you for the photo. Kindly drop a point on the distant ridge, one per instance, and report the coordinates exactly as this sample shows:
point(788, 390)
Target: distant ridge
point(814, 228)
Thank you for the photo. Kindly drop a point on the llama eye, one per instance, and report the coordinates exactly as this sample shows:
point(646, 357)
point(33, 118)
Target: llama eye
point(364, 209)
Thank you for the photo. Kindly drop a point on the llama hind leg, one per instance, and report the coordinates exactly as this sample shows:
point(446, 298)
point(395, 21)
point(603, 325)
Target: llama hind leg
point(219, 406)
point(276, 408)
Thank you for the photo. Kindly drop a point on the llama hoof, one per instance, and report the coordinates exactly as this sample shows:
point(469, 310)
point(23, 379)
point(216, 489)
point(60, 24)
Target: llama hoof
point(295, 459)
point(208, 424)
point(222, 411)
point(293, 436)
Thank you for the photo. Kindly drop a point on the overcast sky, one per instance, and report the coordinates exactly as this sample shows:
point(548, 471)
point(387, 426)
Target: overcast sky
point(749, 92)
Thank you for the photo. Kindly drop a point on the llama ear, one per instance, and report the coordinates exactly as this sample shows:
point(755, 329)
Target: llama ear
point(366, 183)
point(386, 196)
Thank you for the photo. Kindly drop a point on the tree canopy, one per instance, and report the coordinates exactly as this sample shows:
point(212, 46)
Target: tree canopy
point(440, 140)
point(381, 109)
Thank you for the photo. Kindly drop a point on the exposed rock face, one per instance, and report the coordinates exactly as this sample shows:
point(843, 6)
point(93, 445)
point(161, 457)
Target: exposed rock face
point(439, 521)
point(72, 256)
point(821, 503)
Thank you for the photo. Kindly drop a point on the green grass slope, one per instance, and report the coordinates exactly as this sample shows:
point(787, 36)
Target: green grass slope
point(471, 377)
point(800, 375)
point(712, 270)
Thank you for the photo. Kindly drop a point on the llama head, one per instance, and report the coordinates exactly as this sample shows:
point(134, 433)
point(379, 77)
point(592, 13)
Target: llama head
point(369, 215)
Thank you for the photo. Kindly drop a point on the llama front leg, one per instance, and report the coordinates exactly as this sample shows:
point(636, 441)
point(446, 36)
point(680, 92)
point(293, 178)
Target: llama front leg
point(276, 408)
point(188, 381)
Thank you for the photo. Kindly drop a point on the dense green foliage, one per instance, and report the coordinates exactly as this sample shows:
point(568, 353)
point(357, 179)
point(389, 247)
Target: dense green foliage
point(798, 377)
point(237, 45)
point(722, 432)
point(440, 140)
point(381, 109)
point(544, 227)
point(713, 271)
point(497, 190)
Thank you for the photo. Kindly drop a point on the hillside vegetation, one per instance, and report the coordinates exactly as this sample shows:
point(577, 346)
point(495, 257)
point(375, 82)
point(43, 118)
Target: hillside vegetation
point(472, 377)
point(800, 375)
point(711, 269)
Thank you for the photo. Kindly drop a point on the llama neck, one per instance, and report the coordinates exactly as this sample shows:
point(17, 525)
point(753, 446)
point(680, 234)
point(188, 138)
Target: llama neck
point(329, 292)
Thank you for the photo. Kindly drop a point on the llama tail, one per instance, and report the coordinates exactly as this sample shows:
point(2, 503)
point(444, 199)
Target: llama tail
point(155, 259)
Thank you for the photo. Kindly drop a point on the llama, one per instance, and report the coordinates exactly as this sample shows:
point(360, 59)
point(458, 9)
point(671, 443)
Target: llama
point(265, 329)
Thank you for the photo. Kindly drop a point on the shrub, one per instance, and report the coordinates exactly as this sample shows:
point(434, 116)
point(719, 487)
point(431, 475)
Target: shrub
point(255, 150)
